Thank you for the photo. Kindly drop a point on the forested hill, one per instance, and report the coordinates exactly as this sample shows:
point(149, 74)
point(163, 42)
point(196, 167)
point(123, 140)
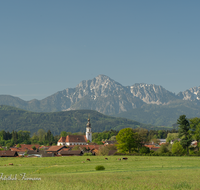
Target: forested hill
point(12, 118)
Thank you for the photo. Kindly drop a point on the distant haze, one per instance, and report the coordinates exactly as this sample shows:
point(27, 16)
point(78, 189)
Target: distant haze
point(49, 46)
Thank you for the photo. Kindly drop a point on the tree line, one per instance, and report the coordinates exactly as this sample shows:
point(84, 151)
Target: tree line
point(42, 137)
point(132, 140)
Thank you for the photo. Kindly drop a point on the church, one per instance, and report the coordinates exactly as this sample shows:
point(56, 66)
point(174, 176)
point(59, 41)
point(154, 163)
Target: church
point(77, 139)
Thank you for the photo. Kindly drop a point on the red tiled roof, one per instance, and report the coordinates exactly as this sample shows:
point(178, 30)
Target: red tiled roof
point(76, 138)
point(55, 148)
point(8, 153)
point(64, 149)
point(29, 146)
point(73, 138)
point(62, 139)
point(45, 146)
point(151, 146)
point(18, 149)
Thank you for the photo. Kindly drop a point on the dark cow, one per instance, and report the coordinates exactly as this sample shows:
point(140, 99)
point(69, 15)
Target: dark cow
point(106, 158)
point(88, 159)
point(125, 158)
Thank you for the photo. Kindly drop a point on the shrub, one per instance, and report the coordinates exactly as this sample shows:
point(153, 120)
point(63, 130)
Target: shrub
point(99, 167)
point(145, 150)
point(163, 149)
point(18, 146)
point(104, 150)
point(33, 147)
point(76, 147)
point(177, 149)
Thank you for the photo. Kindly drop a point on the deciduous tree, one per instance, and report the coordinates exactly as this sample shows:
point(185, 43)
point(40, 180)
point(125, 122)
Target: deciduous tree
point(195, 129)
point(127, 140)
point(63, 134)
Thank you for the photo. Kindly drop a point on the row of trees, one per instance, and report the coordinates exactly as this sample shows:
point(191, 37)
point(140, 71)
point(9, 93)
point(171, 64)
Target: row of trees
point(132, 140)
point(23, 137)
point(47, 138)
point(144, 134)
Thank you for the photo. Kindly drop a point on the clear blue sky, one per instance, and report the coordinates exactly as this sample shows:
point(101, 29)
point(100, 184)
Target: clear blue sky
point(47, 46)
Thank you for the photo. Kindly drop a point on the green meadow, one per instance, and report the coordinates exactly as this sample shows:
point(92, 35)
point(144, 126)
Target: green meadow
point(138, 172)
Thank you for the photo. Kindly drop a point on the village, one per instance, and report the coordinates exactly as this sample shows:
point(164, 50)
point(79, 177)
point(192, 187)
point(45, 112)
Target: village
point(78, 145)
point(71, 145)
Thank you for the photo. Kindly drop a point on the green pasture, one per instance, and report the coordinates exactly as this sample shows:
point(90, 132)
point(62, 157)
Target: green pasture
point(76, 173)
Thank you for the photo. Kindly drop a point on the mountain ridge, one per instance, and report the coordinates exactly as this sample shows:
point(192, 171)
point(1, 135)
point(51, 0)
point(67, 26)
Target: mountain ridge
point(104, 95)
point(12, 118)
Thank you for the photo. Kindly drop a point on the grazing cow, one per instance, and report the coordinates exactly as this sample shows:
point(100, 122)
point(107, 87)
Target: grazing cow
point(106, 158)
point(10, 164)
point(82, 162)
point(125, 158)
point(88, 159)
point(119, 159)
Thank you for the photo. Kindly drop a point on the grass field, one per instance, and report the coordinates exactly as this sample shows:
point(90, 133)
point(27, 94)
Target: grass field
point(70, 173)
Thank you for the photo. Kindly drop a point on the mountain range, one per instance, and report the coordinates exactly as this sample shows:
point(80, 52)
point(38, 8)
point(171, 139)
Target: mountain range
point(139, 101)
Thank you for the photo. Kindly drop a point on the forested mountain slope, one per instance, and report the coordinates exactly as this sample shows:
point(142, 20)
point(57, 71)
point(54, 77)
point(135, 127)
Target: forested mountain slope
point(70, 121)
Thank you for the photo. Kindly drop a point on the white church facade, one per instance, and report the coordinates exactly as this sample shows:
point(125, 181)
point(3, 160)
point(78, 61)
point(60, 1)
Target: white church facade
point(77, 139)
point(89, 131)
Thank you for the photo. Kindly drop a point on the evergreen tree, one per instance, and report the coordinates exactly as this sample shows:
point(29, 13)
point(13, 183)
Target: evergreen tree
point(184, 132)
point(49, 137)
point(14, 136)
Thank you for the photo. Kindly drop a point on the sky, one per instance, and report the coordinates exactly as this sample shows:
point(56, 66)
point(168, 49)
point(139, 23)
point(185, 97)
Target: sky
point(47, 46)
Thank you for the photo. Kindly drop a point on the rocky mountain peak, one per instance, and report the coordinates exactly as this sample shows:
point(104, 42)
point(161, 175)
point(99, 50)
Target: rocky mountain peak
point(151, 93)
point(192, 94)
point(105, 95)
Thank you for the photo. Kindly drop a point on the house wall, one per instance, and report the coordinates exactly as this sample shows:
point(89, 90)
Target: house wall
point(72, 143)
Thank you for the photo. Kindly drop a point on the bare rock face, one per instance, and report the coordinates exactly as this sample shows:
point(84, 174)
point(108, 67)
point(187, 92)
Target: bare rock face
point(103, 95)
point(193, 94)
point(152, 94)
point(109, 97)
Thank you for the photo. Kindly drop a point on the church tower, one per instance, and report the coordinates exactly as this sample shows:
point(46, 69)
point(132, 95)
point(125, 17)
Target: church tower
point(89, 131)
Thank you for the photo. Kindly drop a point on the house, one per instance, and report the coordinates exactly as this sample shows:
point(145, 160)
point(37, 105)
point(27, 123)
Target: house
point(90, 148)
point(71, 153)
point(39, 153)
point(77, 139)
point(152, 147)
point(24, 148)
point(110, 142)
point(194, 143)
point(172, 141)
point(55, 149)
point(44, 147)
point(8, 153)
point(162, 141)
point(20, 151)
point(29, 146)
